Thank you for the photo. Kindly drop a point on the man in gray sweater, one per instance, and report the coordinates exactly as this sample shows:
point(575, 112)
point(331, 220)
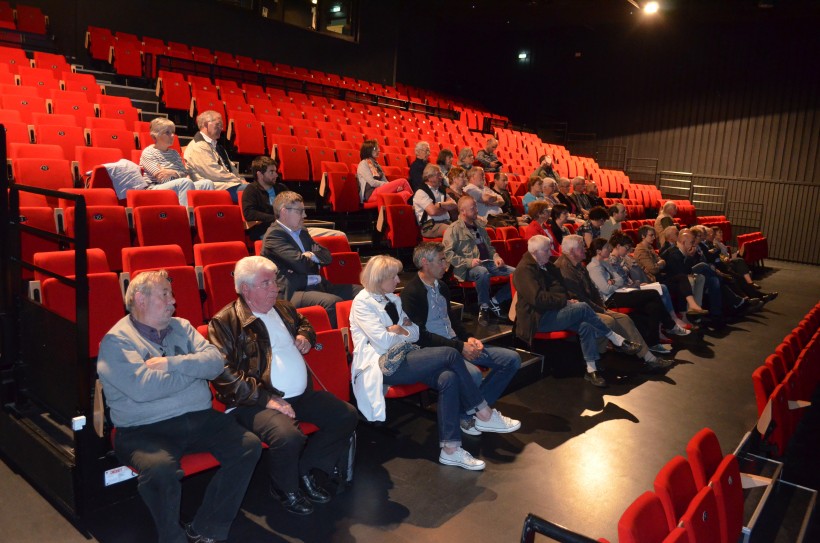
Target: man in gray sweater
point(155, 369)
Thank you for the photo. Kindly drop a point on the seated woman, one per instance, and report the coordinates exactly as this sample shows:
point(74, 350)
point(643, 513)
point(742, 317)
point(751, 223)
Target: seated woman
point(591, 229)
point(540, 214)
point(633, 276)
point(549, 187)
point(372, 180)
point(163, 166)
point(445, 162)
point(378, 323)
point(649, 309)
point(466, 157)
point(534, 193)
point(556, 230)
point(456, 179)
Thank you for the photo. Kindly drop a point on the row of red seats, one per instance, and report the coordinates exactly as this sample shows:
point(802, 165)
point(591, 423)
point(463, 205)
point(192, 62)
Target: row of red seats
point(754, 247)
point(785, 382)
point(23, 18)
point(718, 221)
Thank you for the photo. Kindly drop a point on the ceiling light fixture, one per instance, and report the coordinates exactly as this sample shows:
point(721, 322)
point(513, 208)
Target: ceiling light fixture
point(648, 8)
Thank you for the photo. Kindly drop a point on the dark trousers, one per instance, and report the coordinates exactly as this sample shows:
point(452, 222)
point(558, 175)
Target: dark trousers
point(291, 453)
point(154, 451)
point(649, 311)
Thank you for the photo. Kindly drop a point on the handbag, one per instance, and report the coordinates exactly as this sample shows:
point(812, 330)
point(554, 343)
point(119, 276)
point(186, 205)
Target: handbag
point(390, 361)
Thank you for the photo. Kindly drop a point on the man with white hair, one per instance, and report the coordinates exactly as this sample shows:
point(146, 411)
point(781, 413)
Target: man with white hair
point(580, 286)
point(154, 369)
point(207, 159)
point(422, 151)
point(267, 386)
point(488, 201)
point(543, 305)
point(431, 204)
point(487, 157)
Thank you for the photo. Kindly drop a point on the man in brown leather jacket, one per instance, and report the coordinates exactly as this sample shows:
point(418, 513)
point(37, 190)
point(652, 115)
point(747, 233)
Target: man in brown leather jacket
point(266, 385)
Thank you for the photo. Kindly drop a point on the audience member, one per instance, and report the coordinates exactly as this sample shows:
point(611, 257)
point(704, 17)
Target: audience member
point(445, 162)
point(432, 206)
point(617, 215)
point(426, 299)
point(564, 197)
point(579, 196)
point(667, 240)
point(381, 332)
point(556, 229)
point(154, 370)
point(466, 158)
point(549, 188)
point(680, 278)
point(539, 215)
point(542, 304)
point(665, 218)
point(534, 193)
point(163, 166)
point(544, 168)
point(469, 251)
point(500, 183)
point(591, 229)
point(298, 259)
point(267, 386)
point(487, 157)
point(488, 202)
point(580, 286)
point(592, 194)
point(207, 159)
point(372, 180)
point(422, 151)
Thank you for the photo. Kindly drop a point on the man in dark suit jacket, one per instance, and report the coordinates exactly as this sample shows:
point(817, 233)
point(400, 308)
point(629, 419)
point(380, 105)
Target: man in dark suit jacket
point(299, 259)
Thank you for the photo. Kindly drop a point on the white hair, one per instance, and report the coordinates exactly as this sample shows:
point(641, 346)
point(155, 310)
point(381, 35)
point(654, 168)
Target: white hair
point(571, 242)
point(538, 242)
point(248, 268)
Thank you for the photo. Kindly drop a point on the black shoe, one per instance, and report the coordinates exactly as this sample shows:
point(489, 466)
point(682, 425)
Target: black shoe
point(194, 537)
point(742, 305)
point(770, 296)
point(630, 347)
point(495, 309)
point(657, 365)
point(484, 316)
point(755, 305)
point(595, 379)
point(293, 502)
point(312, 490)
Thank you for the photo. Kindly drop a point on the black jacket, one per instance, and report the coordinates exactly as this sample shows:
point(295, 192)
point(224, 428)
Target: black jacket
point(294, 268)
point(256, 207)
point(243, 340)
point(539, 290)
point(414, 303)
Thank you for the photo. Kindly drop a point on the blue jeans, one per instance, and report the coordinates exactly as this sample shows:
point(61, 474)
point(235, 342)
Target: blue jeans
point(481, 275)
point(443, 369)
point(503, 364)
point(181, 186)
point(580, 318)
point(236, 189)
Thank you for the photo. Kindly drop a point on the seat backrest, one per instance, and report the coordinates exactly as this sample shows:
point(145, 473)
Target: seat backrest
point(327, 361)
point(701, 519)
point(48, 173)
point(220, 289)
point(403, 231)
point(219, 223)
point(675, 486)
point(93, 197)
point(66, 136)
point(334, 244)
point(162, 225)
point(198, 198)
point(644, 521)
point(89, 157)
point(115, 139)
point(186, 292)
point(139, 198)
point(219, 251)
point(344, 269)
point(42, 218)
point(317, 315)
point(107, 229)
point(344, 192)
point(62, 262)
point(104, 296)
point(135, 259)
point(704, 454)
point(729, 497)
point(31, 150)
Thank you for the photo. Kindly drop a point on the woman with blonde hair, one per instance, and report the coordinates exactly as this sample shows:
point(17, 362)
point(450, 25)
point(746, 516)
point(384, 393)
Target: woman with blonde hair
point(384, 354)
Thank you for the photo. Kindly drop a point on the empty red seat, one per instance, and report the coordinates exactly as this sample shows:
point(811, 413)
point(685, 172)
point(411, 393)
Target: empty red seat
point(644, 521)
point(164, 224)
point(704, 454)
point(31, 19)
point(129, 113)
point(219, 223)
point(317, 316)
point(293, 162)
point(127, 59)
point(702, 520)
point(220, 289)
point(402, 230)
point(67, 137)
point(139, 198)
point(26, 105)
point(318, 155)
point(115, 139)
point(218, 252)
point(107, 228)
point(675, 486)
point(154, 257)
point(42, 172)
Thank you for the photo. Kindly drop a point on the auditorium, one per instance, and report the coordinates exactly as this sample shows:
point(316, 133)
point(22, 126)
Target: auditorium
point(409, 270)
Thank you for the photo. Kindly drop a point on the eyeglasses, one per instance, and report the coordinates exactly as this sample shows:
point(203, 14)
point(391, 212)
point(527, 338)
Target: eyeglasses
point(266, 284)
point(297, 209)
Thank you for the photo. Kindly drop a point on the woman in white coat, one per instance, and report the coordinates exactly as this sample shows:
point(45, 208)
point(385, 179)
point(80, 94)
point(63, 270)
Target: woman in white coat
point(378, 323)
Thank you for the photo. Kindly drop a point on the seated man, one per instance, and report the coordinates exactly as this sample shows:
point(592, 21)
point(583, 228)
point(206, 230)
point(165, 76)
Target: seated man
point(298, 259)
point(432, 206)
point(543, 305)
point(257, 200)
point(545, 168)
point(580, 286)
point(592, 193)
point(617, 215)
point(154, 371)
point(579, 195)
point(426, 300)
point(487, 157)
point(575, 212)
point(422, 151)
point(267, 387)
point(163, 166)
point(468, 249)
point(489, 202)
point(207, 159)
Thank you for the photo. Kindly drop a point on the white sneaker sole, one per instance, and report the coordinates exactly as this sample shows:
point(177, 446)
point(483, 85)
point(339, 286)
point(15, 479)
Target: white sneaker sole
point(495, 430)
point(469, 467)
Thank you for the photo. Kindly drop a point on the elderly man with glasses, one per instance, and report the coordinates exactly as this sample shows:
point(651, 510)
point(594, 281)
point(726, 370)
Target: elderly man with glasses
point(207, 159)
point(431, 204)
point(299, 259)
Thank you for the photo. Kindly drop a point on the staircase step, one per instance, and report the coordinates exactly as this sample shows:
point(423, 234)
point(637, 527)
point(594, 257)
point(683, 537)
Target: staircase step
point(139, 93)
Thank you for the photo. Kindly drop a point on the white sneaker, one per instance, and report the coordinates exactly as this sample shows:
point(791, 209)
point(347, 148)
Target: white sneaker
point(468, 427)
point(678, 330)
point(462, 459)
point(498, 424)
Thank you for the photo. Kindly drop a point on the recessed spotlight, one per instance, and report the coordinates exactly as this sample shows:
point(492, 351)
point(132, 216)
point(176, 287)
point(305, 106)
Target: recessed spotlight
point(651, 8)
